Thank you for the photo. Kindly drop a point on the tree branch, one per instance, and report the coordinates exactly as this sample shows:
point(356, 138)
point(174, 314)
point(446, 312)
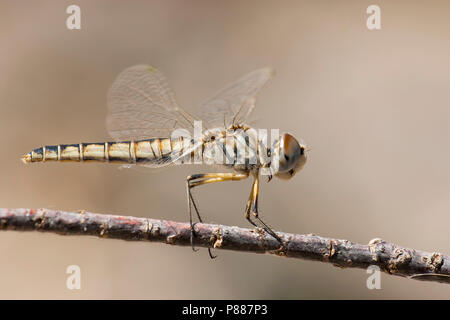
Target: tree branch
point(388, 257)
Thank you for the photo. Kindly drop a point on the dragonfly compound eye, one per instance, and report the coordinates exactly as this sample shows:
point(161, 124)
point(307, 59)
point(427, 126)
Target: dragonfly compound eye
point(291, 156)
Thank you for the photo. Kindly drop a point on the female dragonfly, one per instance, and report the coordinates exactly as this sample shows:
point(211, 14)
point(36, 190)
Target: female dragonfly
point(143, 117)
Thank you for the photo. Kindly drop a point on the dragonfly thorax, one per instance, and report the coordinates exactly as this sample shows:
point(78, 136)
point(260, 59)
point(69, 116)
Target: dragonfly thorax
point(237, 147)
point(243, 150)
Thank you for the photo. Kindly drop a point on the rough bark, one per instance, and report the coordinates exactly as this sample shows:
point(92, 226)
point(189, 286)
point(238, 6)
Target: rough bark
point(390, 258)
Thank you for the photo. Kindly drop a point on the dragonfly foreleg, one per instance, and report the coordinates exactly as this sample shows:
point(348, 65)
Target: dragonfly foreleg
point(205, 178)
point(252, 207)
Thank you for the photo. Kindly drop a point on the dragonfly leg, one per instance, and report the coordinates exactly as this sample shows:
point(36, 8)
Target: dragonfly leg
point(198, 180)
point(252, 208)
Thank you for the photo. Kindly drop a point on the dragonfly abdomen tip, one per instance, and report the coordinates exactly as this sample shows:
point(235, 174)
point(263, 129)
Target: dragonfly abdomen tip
point(26, 158)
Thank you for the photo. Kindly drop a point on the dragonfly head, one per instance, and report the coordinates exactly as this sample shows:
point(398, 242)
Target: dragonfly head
point(290, 156)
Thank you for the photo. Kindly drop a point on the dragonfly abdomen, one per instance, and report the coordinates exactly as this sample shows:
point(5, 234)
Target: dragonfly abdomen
point(127, 152)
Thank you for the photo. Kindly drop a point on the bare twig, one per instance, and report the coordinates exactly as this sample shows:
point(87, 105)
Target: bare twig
point(388, 257)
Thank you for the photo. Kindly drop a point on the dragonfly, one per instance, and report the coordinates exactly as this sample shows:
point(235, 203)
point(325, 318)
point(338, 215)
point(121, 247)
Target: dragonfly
point(143, 117)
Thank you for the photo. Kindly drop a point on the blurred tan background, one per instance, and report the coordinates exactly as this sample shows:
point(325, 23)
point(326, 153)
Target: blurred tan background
point(373, 105)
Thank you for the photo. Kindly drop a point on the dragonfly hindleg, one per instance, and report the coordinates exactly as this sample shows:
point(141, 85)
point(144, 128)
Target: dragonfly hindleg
point(205, 178)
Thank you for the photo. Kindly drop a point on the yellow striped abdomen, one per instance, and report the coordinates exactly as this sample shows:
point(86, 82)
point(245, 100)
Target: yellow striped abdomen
point(129, 152)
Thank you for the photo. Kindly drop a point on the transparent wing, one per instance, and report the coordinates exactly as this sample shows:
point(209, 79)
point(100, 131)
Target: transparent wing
point(141, 105)
point(234, 103)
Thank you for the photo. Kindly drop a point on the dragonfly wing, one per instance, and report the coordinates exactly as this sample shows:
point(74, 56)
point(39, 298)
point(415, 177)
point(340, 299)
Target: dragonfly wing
point(141, 105)
point(234, 103)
